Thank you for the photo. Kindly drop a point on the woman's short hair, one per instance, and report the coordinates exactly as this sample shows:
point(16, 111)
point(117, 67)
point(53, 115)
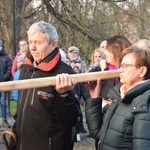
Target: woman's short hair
point(142, 57)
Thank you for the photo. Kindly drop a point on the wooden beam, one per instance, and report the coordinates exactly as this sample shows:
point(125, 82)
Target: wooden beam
point(50, 81)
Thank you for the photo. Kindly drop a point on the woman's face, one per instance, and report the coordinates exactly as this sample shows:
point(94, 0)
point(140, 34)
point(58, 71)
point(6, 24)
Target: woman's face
point(130, 75)
point(97, 57)
point(110, 58)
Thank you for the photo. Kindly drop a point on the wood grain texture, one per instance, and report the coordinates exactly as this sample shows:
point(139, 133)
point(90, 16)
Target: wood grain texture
point(50, 81)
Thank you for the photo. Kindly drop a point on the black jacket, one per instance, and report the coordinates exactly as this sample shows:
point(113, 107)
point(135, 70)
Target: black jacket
point(125, 124)
point(6, 63)
point(1, 74)
point(41, 112)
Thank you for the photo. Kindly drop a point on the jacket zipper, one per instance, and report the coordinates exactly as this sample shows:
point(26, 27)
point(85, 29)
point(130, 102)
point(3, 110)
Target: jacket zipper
point(21, 96)
point(32, 96)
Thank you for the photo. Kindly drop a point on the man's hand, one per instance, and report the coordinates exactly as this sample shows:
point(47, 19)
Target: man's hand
point(64, 83)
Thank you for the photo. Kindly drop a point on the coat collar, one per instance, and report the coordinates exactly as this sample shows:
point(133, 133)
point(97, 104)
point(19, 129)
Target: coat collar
point(136, 91)
point(48, 63)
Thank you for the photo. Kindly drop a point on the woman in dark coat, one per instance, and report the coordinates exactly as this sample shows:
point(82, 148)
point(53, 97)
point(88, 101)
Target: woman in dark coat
point(124, 125)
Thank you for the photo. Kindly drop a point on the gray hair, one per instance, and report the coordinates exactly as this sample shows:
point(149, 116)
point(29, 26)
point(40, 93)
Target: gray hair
point(143, 44)
point(45, 28)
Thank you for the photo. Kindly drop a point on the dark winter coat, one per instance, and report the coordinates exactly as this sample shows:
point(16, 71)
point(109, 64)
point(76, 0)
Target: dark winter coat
point(125, 124)
point(6, 63)
point(41, 112)
point(1, 74)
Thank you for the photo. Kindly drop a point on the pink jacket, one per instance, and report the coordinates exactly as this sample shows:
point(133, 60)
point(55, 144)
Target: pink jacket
point(14, 65)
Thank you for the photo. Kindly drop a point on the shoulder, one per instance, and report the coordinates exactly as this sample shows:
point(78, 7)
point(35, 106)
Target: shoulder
point(62, 67)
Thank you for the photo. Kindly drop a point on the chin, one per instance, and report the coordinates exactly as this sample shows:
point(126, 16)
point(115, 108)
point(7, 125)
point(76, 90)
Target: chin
point(121, 80)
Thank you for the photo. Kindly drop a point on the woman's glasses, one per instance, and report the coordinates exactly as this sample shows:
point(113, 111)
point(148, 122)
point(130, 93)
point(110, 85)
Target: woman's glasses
point(125, 66)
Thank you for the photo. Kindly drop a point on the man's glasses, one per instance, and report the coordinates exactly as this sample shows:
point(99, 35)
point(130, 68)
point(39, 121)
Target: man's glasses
point(73, 52)
point(125, 66)
point(23, 44)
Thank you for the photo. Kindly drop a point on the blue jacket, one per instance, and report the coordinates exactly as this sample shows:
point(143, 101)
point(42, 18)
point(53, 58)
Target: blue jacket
point(15, 92)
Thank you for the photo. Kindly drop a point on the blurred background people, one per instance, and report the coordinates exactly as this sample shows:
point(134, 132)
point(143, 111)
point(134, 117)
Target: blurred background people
point(103, 45)
point(143, 44)
point(75, 59)
point(20, 60)
point(6, 63)
point(23, 45)
point(114, 47)
point(133, 39)
point(79, 66)
point(98, 61)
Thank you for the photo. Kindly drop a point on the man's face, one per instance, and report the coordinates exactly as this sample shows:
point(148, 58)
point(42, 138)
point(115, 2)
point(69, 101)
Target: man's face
point(39, 46)
point(23, 46)
point(72, 54)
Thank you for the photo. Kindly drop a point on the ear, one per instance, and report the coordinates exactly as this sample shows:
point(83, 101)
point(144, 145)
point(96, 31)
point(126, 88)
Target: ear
point(54, 44)
point(143, 71)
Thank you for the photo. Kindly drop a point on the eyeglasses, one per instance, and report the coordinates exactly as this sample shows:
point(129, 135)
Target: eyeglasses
point(73, 52)
point(23, 44)
point(125, 66)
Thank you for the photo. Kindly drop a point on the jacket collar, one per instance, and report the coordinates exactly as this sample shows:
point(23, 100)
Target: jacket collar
point(48, 63)
point(136, 91)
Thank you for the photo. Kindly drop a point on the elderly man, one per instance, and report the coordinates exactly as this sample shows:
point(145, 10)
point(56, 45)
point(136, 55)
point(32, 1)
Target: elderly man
point(49, 112)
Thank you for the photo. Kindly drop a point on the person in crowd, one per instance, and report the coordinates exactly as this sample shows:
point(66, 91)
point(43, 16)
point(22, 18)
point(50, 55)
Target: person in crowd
point(45, 116)
point(79, 126)
point(98, 61)
point(79, 66)
point(6, 63)
point(124, 124)
point(20, 60)
point(114, 47)
point(143, 44)
point(75, 59)
point(133, 39)
point(103, 45)
point(1, 80)
point(23, 45)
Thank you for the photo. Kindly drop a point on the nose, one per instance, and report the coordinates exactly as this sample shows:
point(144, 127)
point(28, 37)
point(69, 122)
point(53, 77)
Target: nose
point(32, 46)
point(120, 69)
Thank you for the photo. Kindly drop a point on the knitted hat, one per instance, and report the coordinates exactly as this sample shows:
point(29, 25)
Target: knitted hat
point(1, 42)
point(21, 57)
point(73, 48)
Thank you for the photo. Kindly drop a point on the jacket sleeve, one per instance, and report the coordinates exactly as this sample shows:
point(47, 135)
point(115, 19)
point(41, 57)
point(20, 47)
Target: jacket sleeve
point(67, 109)
point(94, 115)
point(7, 75)
point(1, 74)
point(141, 132)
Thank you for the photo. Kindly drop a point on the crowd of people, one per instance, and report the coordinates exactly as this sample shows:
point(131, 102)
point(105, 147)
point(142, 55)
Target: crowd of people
point(50, 118)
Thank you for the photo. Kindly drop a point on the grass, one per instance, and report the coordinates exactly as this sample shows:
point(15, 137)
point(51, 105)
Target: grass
point(13, 107)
